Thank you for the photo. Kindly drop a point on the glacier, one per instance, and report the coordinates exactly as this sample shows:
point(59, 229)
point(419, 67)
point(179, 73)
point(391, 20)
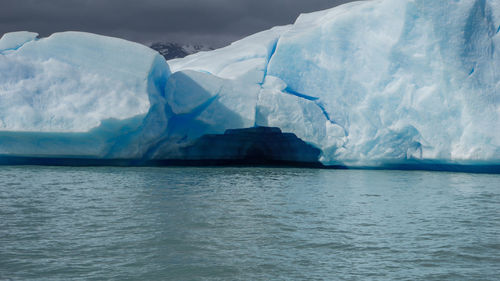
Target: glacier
point(369, 83)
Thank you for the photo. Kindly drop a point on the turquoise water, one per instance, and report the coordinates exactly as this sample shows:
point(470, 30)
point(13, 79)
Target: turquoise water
point(247, 224)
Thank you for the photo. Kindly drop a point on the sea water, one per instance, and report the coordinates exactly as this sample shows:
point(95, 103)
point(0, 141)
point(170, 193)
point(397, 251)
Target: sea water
point(63, 223)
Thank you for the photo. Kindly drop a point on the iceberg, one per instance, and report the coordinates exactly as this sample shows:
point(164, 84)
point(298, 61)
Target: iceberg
point(371, 84)
point(74, 93)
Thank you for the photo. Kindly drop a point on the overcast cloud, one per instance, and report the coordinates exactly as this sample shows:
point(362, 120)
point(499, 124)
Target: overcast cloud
point(215, 22)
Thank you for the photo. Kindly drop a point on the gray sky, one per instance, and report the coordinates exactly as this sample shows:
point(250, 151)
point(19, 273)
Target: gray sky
point(214, 22)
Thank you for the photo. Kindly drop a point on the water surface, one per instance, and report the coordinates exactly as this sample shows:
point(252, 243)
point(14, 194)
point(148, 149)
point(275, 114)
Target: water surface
point(60, 223)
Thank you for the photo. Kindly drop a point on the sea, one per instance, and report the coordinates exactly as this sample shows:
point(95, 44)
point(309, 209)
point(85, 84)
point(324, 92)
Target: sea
point(166, 223)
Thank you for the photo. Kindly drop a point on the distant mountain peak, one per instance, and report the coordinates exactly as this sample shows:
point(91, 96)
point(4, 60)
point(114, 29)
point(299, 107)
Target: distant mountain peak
point(171, 50)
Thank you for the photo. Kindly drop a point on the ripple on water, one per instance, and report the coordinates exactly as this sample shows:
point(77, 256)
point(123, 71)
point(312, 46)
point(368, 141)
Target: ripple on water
point(247, 224)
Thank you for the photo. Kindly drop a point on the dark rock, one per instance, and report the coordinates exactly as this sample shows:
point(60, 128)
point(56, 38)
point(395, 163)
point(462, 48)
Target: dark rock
point(174, 50)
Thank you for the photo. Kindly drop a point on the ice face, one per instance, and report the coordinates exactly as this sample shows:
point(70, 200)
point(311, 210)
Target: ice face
point(78, 94)
point(369, 83)
point(72, 81)
point(404, 79)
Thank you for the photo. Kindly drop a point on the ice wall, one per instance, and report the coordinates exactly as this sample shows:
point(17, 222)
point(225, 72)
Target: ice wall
point(404, 79)
point(72, 81)
point(74, 93)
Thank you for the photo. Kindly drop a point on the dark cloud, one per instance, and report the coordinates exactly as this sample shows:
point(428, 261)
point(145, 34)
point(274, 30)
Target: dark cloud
point(216, 22)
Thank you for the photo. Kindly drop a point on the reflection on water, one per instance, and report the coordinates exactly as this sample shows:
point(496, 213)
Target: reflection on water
point(247, 224)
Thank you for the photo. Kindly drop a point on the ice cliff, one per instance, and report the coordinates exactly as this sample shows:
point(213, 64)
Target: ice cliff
point(372, 82)
point(74, 93)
